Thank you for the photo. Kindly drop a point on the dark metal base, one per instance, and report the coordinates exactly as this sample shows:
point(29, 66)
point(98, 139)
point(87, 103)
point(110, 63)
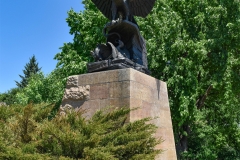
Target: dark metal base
point(112, 64)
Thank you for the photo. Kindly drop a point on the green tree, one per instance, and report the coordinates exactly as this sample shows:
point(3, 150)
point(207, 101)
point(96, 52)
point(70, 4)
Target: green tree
point(30, 69)
point(9, 97)
point(86, 27)
point(202, 46)
point(41, 88)
point(194, 46)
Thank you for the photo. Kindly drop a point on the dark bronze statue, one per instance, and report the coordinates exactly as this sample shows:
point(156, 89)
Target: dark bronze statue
point(125, 47)
point(128, 8)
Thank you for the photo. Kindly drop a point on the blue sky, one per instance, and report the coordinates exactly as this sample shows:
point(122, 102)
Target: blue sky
point(31, 27)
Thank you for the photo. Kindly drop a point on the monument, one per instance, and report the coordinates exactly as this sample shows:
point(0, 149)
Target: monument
point(125, 47)
point(119, 77)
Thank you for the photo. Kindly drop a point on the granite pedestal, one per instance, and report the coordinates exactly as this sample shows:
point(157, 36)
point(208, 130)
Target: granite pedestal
point(124, 88)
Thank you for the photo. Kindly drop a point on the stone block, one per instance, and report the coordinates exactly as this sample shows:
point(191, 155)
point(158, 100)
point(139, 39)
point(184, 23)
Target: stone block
point(115, 89)
point(125, 88)
point(112, 76)
point(99, 91)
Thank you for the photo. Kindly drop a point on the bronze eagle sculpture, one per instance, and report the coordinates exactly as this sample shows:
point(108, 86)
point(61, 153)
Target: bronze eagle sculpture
point(125, 47)
point(124, 8)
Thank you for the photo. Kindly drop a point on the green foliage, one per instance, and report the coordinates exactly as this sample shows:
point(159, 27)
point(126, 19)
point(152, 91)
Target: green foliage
point(194, 47)
point(9, 97)
point(209, 72)
point(41, 88)
point(213, 141)
point(86, 27)
point(30, 69)
point(103, 137)
point(27, 133)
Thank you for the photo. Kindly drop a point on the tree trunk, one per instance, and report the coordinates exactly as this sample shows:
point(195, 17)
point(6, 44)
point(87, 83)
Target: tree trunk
point(183, 141)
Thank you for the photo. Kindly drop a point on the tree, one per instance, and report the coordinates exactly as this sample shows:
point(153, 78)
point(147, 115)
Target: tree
point(192, 45)
point(202, 47)
point(9, 97)
point(41, 88)
point(75, 55)
point(30, 69)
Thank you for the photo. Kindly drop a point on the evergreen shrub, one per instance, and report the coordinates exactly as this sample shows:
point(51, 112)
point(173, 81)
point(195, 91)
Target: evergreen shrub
point(28, 133)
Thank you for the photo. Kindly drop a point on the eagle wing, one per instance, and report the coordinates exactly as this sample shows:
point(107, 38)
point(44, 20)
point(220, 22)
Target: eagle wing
point(137, 7)
point(141, 7)
point(105, 7)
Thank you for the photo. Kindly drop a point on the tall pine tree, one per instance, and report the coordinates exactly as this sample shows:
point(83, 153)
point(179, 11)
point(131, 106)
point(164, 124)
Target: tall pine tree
point(30, 68)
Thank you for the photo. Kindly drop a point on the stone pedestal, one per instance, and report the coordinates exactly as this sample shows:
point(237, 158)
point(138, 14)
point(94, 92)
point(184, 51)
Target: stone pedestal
point(125, 88)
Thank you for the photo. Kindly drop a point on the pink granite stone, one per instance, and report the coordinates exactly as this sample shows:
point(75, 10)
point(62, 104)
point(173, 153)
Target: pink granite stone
point(126, 88)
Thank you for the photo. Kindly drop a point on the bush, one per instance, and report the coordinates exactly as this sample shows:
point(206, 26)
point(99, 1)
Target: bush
point(28, 133)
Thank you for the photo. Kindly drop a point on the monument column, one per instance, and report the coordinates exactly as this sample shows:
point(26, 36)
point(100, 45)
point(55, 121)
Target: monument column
point(125, 88)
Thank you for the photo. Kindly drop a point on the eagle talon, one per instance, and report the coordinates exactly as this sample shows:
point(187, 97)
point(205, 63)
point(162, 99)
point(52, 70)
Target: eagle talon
point(113, 22)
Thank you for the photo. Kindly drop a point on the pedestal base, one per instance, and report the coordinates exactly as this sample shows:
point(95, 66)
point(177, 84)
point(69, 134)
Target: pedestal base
point(125, 88)
point(113, 64)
